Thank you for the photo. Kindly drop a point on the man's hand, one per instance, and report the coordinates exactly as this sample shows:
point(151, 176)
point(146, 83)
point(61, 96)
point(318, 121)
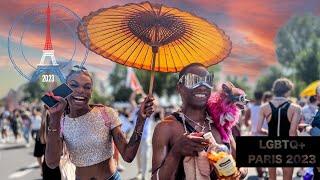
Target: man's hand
point(240, 174)
point(190, 144)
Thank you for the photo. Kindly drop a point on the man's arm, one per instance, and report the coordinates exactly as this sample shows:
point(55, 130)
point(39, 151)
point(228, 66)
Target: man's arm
point(233, 146)
point(247, 116)
point(260, 130)
point(295, 121)
point(164, 161)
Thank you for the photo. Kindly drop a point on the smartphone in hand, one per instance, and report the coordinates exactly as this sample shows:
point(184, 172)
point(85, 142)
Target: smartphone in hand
point(63, 91)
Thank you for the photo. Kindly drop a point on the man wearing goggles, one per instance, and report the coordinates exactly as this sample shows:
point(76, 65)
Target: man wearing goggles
point(192, 81)
point(180, 134)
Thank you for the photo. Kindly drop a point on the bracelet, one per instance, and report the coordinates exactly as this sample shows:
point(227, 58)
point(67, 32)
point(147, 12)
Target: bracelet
point(138, 133)
point(52, 130)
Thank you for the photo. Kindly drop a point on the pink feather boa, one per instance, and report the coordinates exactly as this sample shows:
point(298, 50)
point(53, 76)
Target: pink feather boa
point(217, 106)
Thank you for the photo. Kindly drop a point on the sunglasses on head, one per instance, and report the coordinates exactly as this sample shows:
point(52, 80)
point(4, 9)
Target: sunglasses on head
point(79, 68)
point(192, 81)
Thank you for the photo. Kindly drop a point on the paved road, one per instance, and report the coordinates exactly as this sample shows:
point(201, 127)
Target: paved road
point(17, 162)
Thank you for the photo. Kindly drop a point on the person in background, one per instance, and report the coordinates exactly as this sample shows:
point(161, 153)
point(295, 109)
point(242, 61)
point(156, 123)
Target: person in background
point(47, 173)
point(282, 116)
point(310, 110)
point(126, 127)
point(35, 123)
point(143, 154)
point(39, 148)
point(251, 119)
point(266, 97)
point(5, 116)
point(15, 120)
point(315, 131)
point(26, 125)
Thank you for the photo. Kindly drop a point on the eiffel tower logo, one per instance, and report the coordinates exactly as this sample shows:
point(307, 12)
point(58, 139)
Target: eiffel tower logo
point(48, 50)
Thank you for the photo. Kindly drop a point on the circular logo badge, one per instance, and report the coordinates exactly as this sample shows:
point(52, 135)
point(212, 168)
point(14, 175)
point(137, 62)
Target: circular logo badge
point(43, 44)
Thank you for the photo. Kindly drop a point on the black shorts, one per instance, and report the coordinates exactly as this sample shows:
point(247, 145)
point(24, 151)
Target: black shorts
point(39, 149)
point(50, 174)
point(35, 134)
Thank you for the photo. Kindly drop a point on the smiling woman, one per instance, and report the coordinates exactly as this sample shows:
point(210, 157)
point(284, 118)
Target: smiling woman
point(88, 130)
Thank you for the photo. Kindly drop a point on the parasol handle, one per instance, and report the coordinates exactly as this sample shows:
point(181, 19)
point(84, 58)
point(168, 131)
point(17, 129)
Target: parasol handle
point(151, 83)
point(155, 50)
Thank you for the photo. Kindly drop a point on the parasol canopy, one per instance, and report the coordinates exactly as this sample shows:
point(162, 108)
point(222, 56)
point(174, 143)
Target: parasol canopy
point(310, 90)
point(153, 37)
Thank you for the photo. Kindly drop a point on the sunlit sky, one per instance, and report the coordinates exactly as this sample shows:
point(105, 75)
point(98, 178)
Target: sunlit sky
point(252, 26)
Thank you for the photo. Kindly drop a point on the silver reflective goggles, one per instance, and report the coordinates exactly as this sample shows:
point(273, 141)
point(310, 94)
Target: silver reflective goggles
point(192, 81)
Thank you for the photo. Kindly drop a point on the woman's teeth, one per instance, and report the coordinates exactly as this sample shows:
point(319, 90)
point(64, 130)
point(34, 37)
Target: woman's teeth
point(79, 98)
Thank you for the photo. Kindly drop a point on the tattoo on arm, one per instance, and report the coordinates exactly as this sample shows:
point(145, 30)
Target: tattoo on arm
point(129, 149)
point(120, 137)
point(134, 139)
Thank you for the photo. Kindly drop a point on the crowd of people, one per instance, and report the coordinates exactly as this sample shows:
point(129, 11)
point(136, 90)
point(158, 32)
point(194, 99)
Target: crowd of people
point(277, 115)
point(23, 123)
point(92, 137)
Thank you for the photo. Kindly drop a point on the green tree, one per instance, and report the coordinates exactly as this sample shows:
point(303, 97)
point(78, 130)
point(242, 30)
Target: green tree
point(298, 47)
point(307, 66)
point(117, 77)
point(164, 82)
point(241, 83)
point(265, 81)
point(32, 91)
point(215, 70)
point(97, 98)
point(123, 94)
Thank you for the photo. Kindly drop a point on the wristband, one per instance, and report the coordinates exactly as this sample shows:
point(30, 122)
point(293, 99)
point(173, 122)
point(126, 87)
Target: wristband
point(52, 130)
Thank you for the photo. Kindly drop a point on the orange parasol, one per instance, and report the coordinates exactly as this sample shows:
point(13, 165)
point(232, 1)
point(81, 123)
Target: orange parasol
point(153, 37)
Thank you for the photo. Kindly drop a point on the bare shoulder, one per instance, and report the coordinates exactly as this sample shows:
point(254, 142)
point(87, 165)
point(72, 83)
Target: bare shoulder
point(167, 128)
point(265, 107)
point(295, 107)
point(168, 124)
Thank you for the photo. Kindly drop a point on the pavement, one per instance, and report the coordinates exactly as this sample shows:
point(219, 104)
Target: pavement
point(18, 163)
